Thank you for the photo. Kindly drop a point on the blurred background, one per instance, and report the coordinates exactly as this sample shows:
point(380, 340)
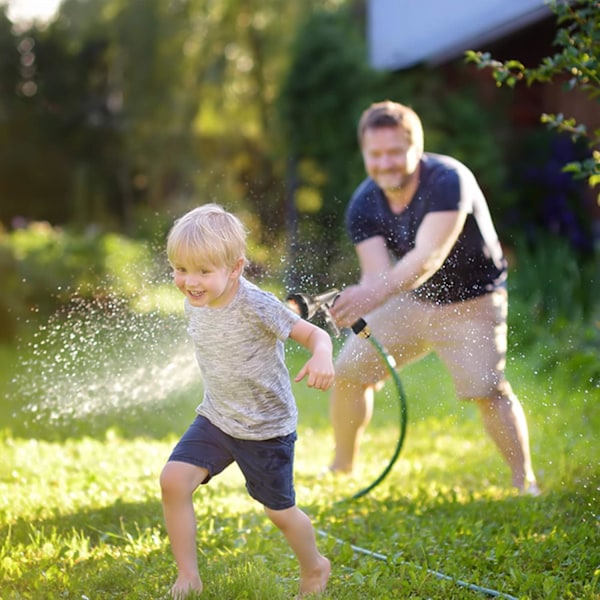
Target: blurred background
point(116, 116)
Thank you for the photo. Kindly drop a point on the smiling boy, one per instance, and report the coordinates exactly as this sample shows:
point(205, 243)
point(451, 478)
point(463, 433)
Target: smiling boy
point(248, 414)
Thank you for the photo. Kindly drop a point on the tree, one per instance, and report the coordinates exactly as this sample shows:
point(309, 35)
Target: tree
point(577, 62)
point(120, 110)
point(326, 86)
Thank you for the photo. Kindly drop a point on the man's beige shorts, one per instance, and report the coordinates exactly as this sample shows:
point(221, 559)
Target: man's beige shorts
point(469, 337)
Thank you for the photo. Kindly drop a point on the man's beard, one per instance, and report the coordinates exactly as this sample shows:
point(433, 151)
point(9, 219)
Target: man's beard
point(403, 181)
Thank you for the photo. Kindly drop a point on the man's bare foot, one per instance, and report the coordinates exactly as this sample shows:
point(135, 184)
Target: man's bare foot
point(183, 588)
point(340, 469)
point(315, 582)
point(530, 488)
point(332, 472)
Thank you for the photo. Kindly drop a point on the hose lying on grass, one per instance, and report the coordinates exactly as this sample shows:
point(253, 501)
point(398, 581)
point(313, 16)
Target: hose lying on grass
point(437, 574)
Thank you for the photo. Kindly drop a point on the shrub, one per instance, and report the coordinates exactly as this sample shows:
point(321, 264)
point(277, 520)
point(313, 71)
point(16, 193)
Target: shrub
point(44, 267)
point(555, 307)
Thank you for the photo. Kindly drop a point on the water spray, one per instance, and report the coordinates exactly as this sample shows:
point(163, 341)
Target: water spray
point(310, 306)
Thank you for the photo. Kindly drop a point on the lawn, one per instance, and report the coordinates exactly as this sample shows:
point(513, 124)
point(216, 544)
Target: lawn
point(88, 421)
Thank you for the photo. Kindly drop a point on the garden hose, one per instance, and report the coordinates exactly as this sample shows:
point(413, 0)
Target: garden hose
point(307, 307)
point(363, 331)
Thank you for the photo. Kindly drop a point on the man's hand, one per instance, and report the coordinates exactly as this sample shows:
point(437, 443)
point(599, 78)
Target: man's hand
point(358, 300)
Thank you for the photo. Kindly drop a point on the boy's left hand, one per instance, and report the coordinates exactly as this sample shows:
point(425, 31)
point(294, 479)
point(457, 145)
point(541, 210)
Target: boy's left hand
point(320, 373)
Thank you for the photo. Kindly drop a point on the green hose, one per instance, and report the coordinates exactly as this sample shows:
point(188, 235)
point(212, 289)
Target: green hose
point(402, 405)
point(360, 328)
point(307, 307)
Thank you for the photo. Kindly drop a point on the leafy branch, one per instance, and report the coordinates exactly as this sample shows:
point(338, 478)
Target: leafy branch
point(577, 63)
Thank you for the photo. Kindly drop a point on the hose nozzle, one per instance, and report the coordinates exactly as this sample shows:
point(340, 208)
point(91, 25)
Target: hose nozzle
point(308, 306)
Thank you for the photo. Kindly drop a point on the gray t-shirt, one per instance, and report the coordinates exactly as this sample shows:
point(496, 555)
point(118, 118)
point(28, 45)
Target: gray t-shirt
point(240, 351)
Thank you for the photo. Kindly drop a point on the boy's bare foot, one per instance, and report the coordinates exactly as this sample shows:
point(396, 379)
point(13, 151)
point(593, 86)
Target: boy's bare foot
point(183, 588)
point(315, 582)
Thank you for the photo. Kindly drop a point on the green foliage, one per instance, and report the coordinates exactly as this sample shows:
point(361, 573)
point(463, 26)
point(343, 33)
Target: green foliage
point(118, 107)
point(318, 86)
point(45, 267)
point(556, 293)
point(326, 86)
point(541, 197)
point(578, 61)
point(459, 128)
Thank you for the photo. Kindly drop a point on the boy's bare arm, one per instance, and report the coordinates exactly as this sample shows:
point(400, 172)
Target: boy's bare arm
point(319, 367)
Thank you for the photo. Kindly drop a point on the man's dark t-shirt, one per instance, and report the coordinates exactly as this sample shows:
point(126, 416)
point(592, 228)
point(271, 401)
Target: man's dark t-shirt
point(475, 265)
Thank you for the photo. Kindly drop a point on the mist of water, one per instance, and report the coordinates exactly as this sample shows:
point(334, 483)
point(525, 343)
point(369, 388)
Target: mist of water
point(97, 357)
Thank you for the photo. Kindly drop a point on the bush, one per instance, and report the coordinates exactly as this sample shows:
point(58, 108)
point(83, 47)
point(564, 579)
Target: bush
point(44, 267)
point(555, 307)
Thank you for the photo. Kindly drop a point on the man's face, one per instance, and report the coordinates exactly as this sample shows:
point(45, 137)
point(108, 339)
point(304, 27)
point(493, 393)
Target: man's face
point(390, 157)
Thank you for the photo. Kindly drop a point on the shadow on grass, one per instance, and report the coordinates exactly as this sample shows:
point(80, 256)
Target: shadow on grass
point(527, 547)
point(98, 525)
point(154, 421)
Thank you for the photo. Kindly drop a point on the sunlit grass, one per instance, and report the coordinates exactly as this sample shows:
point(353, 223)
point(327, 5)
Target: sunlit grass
point(80, 512)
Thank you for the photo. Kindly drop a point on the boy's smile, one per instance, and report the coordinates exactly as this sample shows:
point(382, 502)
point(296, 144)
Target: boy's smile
point(207, 286)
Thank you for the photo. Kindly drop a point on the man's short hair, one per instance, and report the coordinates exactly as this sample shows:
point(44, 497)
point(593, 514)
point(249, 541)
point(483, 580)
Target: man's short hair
point(392, 114)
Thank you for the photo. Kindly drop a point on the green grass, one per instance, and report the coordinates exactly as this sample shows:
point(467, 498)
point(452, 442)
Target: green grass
point(80, 513)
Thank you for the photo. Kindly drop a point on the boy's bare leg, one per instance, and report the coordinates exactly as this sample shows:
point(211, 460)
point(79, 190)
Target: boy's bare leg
point(298, 530)
point(178, 482)
point(351, 409)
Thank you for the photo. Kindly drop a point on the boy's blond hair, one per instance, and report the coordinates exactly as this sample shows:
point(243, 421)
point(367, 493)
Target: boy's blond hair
point(207, 235)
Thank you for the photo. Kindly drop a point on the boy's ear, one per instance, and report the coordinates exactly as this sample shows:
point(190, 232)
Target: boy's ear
point(238, 268)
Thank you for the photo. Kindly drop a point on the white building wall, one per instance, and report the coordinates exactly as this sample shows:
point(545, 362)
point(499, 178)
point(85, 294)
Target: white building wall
point(402, 33)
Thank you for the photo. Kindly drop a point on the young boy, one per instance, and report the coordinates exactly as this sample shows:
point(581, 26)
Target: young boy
point(248, 414)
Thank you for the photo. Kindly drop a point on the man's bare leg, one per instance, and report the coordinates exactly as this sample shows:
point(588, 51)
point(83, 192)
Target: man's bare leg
point(351, 409)
point(505, 421)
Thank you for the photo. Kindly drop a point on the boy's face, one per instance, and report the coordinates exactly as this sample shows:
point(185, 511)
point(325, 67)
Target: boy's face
point(207, 285)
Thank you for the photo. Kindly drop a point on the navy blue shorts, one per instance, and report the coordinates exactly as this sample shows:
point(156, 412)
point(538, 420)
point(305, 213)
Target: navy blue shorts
point(267, 465)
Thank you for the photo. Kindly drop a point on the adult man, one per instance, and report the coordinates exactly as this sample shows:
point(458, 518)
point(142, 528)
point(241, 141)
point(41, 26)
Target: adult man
point(432, 279)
